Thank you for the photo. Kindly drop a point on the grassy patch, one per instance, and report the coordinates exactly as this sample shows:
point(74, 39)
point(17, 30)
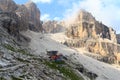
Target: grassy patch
point(9, 47)
point(68, 72)
point(38, 59)
point(2, 78)
point(21, 60)
point(25, 52)
point(22, 51)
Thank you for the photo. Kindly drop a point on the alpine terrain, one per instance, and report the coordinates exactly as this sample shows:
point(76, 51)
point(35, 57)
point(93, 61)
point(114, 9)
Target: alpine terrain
point(80, 48)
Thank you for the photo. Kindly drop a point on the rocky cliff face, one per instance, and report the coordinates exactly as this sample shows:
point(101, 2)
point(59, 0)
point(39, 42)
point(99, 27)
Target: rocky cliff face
point(34, 16)
point(53, 26)
point(29, 14)
point(22, 13)
point(85, 26)
point(94, 36)
point(10, 21)
point(118, 38)
point(8, 5)
point(102, 47)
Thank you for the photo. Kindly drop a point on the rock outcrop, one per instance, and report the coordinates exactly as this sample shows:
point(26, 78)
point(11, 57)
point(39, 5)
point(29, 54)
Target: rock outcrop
point(53, 26)
point(10, 21)
point(97, 46)
point(8, 5)
point(34, 16)
point(85, 26)
point(28, 14)
point(118, 38)
point(22, 13)
point(94, 36)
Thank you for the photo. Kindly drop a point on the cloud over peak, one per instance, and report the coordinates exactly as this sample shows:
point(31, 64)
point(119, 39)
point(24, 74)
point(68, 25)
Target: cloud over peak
point(42, 1)
point(106, 11)
point(45, 17)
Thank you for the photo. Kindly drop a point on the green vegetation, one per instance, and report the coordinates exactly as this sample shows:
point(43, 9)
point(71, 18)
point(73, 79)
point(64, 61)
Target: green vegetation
point(9, 47)
point(2, 78)
point(15, 78)
point(21, 60)
point(67, 71)
point(38, 59)
point(23, 51)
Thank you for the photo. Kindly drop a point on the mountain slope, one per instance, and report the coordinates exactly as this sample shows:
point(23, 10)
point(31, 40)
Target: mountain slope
point(40, 43)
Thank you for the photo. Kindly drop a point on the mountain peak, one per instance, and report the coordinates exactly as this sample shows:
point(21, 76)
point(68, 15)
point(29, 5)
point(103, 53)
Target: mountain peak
point(83, 15)
point(30, 3)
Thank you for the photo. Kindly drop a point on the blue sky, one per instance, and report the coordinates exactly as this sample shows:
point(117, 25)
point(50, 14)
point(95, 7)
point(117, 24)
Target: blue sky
point(105, 11)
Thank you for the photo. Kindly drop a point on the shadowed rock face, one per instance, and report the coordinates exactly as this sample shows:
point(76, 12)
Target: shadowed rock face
point(8, 5)
point(34, 16)
point(22, 13)
point(118, 38)
point(53, 26)
point(10, 21)
point(15, 18)
point(29, 14)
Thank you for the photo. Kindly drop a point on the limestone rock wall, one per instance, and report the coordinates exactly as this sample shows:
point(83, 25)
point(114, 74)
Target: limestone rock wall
point(85, 26)
point(10, 22)
point(34, 16)
point(92, 35)
point(118, 38)
point(29, 14)
point(53, 26)
point(22, 13)
point(8, 5)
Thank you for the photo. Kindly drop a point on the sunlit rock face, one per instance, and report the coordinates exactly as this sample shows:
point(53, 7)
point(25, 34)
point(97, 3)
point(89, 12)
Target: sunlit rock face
point(92, 35)
point(85, 26)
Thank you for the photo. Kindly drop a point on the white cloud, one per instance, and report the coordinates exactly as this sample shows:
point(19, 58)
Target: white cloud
point(56, 18)
point(45, 17)
point(107, 11)
point(64, 2)
point(42, 1)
